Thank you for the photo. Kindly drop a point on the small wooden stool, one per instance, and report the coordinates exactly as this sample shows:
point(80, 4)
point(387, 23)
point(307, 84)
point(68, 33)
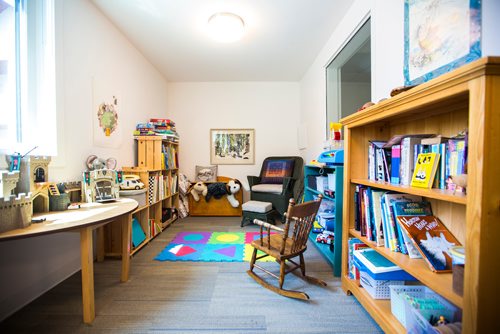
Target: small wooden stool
point(258, 210)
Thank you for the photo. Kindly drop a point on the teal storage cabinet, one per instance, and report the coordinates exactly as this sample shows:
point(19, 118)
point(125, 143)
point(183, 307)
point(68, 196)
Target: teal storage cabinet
point(331, 254)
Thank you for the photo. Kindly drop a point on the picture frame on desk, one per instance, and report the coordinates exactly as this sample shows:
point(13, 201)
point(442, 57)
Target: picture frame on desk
point(439, 37)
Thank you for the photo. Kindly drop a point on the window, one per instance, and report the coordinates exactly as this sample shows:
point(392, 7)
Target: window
point(27, 77)
point(348, 77)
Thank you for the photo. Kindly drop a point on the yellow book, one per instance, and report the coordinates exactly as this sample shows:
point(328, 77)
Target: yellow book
point(425, 170)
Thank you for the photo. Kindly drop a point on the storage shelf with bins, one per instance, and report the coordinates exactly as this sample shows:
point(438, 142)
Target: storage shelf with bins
point(162, 195)
point(331, 254)
point(467, 98)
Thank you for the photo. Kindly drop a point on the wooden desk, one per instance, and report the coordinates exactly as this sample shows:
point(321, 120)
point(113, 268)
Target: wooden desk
point(85, 219)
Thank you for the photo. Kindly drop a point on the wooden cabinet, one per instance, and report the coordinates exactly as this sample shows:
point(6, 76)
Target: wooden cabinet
point(158, 169)
point(468, 97)
point(331, 253)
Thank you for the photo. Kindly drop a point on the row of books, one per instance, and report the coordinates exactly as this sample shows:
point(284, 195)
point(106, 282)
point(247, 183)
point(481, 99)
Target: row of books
point(403, 223)
point(154, 227)
point(161, 186)
point(169, 157)
point(395, 160)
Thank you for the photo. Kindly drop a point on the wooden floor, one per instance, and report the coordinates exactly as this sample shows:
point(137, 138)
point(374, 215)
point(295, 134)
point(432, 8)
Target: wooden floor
point(194, 297)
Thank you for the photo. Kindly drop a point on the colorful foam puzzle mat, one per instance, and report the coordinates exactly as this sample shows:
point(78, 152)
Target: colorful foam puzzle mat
point(211, 247)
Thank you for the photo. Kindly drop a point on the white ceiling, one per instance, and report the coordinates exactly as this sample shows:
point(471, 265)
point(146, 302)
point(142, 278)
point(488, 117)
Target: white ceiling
point(282, 39)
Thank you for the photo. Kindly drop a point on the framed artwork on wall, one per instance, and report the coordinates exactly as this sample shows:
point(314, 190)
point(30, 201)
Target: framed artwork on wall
point(107, 107)
point(232, 146)
point(440, 35)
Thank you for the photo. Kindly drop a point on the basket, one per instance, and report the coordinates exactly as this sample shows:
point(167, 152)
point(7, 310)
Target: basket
point(378, 289)
point(417, 319)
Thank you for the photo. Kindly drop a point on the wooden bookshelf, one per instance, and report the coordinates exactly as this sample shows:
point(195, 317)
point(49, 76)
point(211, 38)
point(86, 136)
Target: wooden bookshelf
point(149, 161)
point(467, 98)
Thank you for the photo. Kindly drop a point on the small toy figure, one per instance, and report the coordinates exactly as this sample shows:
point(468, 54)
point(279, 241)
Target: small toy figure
point(442, 321)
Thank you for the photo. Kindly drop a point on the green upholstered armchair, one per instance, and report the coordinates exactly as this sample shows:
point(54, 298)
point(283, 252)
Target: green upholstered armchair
point(278, 190)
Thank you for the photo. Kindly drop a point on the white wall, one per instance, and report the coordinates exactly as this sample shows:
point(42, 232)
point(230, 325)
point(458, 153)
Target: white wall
point(387, 28)
point(88, 45)
point(271, 108)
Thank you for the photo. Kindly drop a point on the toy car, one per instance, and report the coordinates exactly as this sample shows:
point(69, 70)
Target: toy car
point(325, 238)
point(131, 182)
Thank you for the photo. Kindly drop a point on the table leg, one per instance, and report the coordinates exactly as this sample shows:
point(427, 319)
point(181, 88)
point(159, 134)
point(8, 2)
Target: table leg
point(100, 244)
point(87, 259)
point(126, 223)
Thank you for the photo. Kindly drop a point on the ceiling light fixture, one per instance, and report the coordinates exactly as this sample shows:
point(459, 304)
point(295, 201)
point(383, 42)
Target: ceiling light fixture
point(226, 27)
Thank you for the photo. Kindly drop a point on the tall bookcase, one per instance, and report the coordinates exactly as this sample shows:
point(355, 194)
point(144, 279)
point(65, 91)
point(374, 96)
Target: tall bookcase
point(468, 97)
point(331, 254)
point(158, 169)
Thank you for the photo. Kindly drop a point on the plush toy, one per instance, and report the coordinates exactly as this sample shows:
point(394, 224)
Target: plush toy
point(95, 163)
point(197, 189)
point(233, 187)
point(219, 189)
point(216, 190)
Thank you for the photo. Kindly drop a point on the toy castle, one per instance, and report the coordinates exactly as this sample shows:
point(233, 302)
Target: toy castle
point(34, 176)
point(15, 212)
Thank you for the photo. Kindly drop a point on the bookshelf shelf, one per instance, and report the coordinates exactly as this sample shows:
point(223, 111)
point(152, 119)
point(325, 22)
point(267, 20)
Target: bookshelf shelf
point(138, 248)
point(314, 191)
point(466, 98)
point(439, 194)
point(441, 283)
point(382, 308)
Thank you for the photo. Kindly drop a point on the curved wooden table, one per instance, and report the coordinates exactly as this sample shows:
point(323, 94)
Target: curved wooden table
point(89, 217)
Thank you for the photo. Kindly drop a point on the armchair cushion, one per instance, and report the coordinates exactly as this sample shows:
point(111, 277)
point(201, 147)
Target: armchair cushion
point(273, 171)
point(268, 188)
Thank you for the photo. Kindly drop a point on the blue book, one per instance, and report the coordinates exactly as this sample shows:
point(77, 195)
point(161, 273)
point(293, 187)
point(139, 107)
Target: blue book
point(405, 208)
point(395, 163)
point(384, 223)
point(138, 235)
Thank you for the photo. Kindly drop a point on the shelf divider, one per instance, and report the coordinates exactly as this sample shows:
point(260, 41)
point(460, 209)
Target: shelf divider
point(440, 194)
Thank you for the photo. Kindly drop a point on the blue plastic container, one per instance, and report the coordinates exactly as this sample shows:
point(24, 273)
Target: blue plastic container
point(397, 275)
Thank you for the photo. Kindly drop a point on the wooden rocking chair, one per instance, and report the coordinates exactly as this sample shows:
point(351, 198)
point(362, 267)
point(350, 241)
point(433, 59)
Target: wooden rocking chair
point(283, 247)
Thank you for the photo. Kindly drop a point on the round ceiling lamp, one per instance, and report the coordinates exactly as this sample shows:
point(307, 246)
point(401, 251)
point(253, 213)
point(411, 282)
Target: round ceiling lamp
point(226, 27)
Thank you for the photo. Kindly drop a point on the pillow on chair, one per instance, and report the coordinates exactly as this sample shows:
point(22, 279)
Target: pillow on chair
point(206, 174)
point(273, 171)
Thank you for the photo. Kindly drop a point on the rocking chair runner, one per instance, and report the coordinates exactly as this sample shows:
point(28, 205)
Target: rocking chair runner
point(283, 247)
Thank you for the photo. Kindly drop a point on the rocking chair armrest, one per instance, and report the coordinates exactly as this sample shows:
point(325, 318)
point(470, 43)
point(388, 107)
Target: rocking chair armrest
point(267, 225)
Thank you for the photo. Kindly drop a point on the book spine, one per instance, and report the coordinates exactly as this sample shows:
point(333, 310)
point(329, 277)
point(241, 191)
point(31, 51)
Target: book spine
point(435, 149)
point(379, 158)
point(395, 164)
point(356, 209)
point(367, 216)
point(442, 163)
point(371, 162)
point(384, 223)
point(405, 162)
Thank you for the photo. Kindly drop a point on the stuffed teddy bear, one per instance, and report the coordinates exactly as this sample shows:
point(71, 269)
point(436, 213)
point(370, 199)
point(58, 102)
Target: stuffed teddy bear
point(197, 189)
point(233, 187)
